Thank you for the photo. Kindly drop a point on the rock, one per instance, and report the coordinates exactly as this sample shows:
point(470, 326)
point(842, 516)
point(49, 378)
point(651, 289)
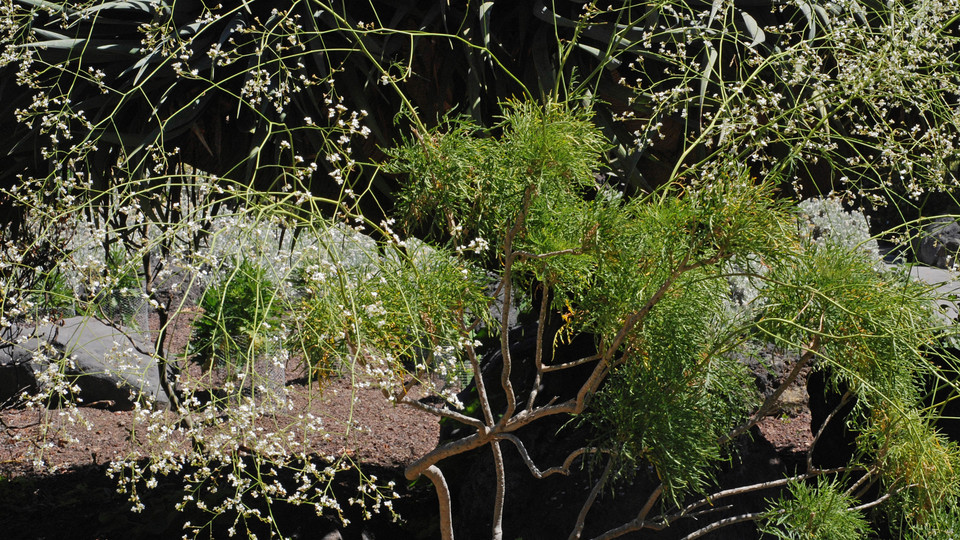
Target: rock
point(770, 365)
point(938, 243)
point(104, 362)
point(944, 287)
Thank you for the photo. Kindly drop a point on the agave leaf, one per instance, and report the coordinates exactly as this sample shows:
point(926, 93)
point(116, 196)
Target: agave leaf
point(67, 44)
point(610, 61)
point(122, 139)
point(540, 49)
point(141, 66)
point(485, 22)
point(373, 47)
point(476, 83)
point(105, 51)
point(627, 35)
point(824, 17)
point(175, 125)
point(98, 105)
point(49, 35)
point(135, 5)
point(543, 13)
point(49, 6)
point(401, 12)
point(807, 9)
point(652, 17)
point(756, 33)
point(628, 159)
point(835, 8)
point(712, 54)
point(713, 12)
point(188, 30)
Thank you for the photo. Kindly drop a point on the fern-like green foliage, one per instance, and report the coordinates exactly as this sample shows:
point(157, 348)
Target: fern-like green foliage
point(642, 275)
point(814, 512)
point(915, 457)
point(870, 328)
point(871, 325)
point(408, 312)
point(641, 245)
point(646, 278)
point(670, 403)
point(53, 292)
point(464, 183)
point(941, 522)
point(240, 311)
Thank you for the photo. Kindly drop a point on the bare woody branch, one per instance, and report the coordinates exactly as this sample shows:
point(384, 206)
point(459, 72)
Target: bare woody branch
point(563, 469)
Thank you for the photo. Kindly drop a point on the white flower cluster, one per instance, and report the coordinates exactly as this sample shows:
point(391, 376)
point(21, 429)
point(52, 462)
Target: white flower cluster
point(477, 245)
point(346, 125)
point(883, 83)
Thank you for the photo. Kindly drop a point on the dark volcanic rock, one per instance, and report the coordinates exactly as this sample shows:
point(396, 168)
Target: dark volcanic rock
point(102, 360)
point(938, 243)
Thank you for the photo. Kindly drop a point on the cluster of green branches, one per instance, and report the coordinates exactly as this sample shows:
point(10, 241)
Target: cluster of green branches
point(646, 278)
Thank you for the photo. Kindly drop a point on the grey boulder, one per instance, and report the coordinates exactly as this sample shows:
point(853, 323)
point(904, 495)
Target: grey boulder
point(938, 243)
point(106, 364)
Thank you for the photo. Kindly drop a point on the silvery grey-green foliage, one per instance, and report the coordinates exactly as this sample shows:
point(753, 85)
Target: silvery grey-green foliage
point(827, 221)
point(822, 220)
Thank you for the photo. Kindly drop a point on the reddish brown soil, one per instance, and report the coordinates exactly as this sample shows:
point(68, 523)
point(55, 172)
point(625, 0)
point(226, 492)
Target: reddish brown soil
point(381, 434)
point(788, 427)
